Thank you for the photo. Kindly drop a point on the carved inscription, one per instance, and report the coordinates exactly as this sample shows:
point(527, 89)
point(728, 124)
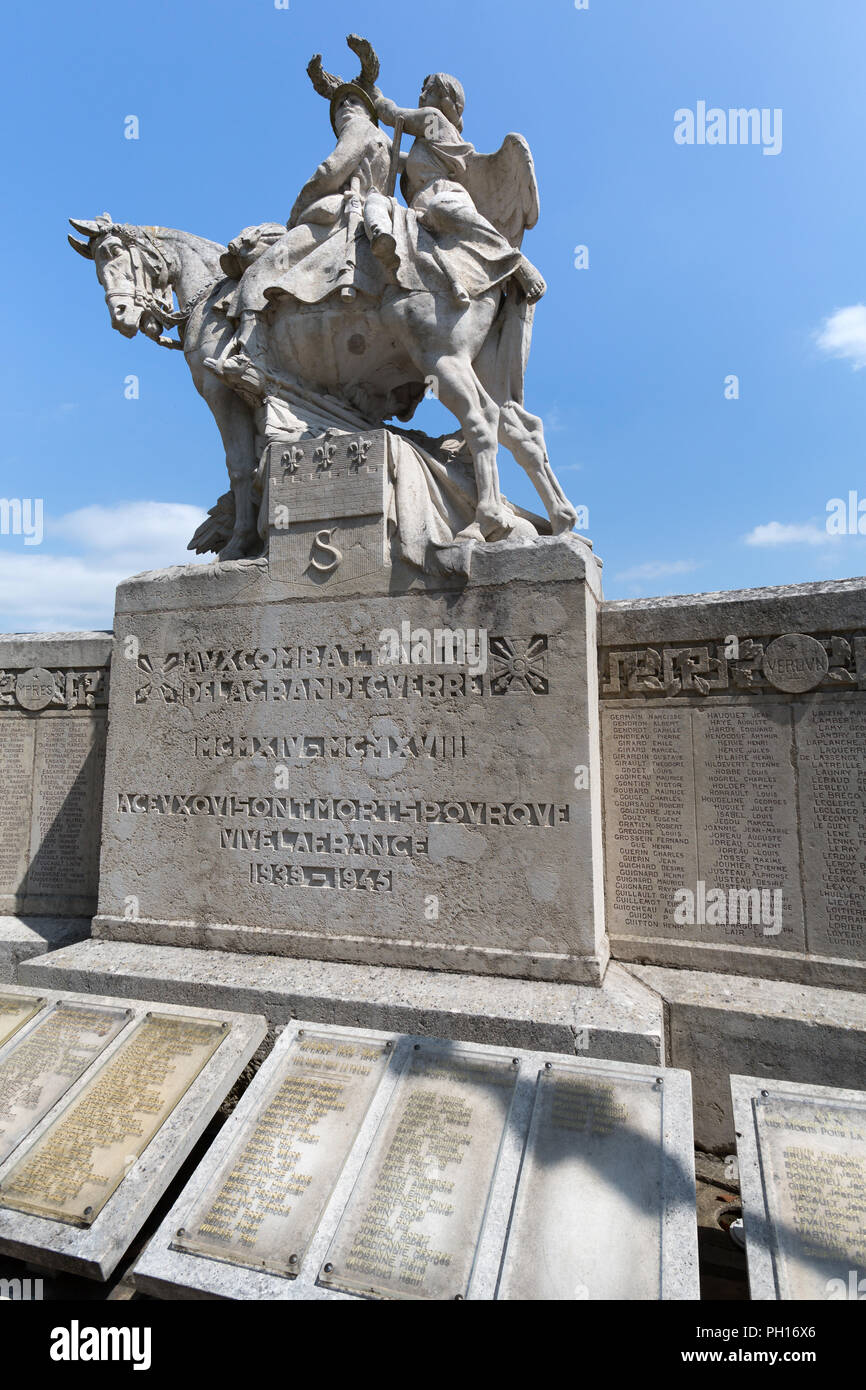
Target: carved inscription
point(17, 742)
point(413, 1222)
point(790, 662)
point(64, 846)
point(702, 802)
point(587, 1219)
point(649, 785)
point(81, 1159)
point(41, 1066)
point(266, 1202)
point(66, 688)
point(813, 1161)
point(831, 748)
point(15, 1011)
point(746, 819)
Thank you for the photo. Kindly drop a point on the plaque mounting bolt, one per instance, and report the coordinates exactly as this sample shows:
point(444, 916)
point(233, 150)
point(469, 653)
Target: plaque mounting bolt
point(181, 1231)
point(293, 1259)
point(548, 1066)
point(765, 1093)
point(515, 1061)
point(88, 1211)
point(327, 1269)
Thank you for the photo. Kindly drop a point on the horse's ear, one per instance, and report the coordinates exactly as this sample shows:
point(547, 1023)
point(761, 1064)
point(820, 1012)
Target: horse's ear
point(82, 247)
point(87, 228)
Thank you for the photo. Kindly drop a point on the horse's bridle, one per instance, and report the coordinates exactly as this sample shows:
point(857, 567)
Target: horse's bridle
point(151, 290)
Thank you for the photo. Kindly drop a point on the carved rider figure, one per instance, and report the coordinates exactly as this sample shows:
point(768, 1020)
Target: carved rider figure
point(317, 255)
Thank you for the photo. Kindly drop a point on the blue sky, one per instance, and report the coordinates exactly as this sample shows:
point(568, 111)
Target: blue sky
point(705, 261)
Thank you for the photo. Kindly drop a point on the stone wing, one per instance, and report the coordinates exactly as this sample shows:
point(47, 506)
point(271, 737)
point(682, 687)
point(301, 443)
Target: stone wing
point(504, 188)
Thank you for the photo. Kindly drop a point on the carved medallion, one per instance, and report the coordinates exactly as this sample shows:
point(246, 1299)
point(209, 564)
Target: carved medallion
point(35, 689)
point(795, 663)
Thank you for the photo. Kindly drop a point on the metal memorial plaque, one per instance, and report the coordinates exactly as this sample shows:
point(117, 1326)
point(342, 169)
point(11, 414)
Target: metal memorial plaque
point(15, 1011)
point(39, 1067)
point(268, 1197)
point(70, 1172)
point(587, 1219)
point(412, 1225)
point(813, 1165)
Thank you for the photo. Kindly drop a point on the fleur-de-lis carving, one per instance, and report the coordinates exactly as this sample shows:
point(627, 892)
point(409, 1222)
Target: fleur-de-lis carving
point(291, 459)
point(358, 451)
point(323, 457)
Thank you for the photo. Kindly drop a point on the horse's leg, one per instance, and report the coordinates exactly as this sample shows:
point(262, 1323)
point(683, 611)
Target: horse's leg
point(460, 391)
point(523, 435)
point(235, 423)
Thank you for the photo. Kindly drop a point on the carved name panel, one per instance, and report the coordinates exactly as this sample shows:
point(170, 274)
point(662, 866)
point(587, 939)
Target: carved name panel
point(15, 1011)
point(831, 757)
point(73, 1168)
point(588, 1214)
point(52, 753)
point(735, 803)
point(41, 1066)
point(264, 1206)
point(413, 1222)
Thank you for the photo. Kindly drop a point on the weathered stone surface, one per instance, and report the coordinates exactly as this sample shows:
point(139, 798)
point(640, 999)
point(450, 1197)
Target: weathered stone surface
point(96, 1162)
point(21, 938)
point(281, 781)
point(620, 1020)
point(452, 1098)
point(802, 1161)
point(53, 697)
point(717, 1025)
point(735, 770)
point(605, 1204)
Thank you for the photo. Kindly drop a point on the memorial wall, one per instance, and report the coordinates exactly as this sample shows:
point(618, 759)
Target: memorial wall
point(734, 756)
point(53, 708)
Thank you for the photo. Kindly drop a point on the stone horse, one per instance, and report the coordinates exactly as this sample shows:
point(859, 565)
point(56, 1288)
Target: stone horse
point(410, 340)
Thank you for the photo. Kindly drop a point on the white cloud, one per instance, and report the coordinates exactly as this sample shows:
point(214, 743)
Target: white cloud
point(780, 533)
point(657, 569)
point(843, 335)
point(43, 592)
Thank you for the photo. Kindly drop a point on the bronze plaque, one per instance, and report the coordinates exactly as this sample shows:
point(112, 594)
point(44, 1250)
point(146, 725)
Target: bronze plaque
point(15, 1011)
point(266, 1203)
point(81, 1159)
point(412, 1225)
point(39, 1067)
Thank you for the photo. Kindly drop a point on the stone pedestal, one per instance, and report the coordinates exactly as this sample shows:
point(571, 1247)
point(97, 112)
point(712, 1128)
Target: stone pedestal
point(376, 767)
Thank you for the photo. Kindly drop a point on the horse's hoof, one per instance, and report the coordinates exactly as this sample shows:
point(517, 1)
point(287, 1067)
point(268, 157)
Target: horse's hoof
point(563, 521)
point(472, 532)
point(495, 526)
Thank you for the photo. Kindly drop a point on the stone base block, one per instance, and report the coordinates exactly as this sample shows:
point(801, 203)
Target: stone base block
point(21, 938)
point(719, 1025)
point(621, 1021)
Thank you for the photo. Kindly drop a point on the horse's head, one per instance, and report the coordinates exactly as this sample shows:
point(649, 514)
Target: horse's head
point(129, 267)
